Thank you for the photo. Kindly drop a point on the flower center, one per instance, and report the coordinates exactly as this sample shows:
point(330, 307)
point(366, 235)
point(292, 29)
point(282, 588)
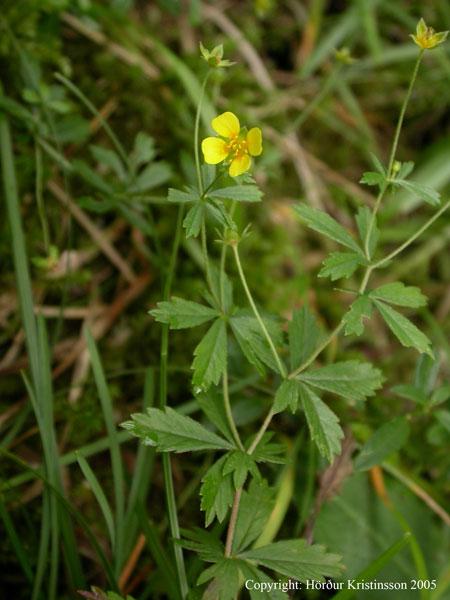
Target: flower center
point(237, 147)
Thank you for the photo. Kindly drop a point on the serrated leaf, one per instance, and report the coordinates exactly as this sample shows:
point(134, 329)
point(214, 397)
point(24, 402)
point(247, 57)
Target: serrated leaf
point(305, 335)
point(108, 158)
point(267, 451)
point(351, 379)
point(385, 441)
point(403, 329)
point(322, 422)
point(323, 223)
point(338, 265)
point(252, 342)
point(92, 177)
point(373, 178)
point(268, 592)
point(171, 432)
point(295, 558)
point(225, 576)
point(424, 192)
point(182, 314)
point(406, 169)
point(204, 543)
point(181, 197)
point(216, 211)
point(217, 493)
point(377, 164)
point(254, 510)
point(399, 294)
point(353, 319)
point(363, 220)
point(240, 464)
point(286, 396)
point(211, 403)
point(240, 193)
point(210, 356)
point(143, 149)
point(153, 175)
point(193, 219)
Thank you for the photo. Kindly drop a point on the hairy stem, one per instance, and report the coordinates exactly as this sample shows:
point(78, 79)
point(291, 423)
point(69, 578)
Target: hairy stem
point(232, 522)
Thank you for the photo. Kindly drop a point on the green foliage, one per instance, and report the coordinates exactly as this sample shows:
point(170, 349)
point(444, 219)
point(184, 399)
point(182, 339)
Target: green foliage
point(170, 431)
point(210, 356)
point(340, 265)
point(403, 329)
point(294, 558)
point(305, 334)
point(322, 223)
point(182, 314)
point(322, 422)
point(352, 380)
point(216, 492)
point(385, 441)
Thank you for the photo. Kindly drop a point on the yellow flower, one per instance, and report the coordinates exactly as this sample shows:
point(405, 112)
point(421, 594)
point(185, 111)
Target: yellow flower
point(233, 144)
point(426, 38)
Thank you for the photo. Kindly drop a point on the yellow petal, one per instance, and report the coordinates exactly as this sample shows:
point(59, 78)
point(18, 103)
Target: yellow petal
point(254, 141)
point(239, 165)
point(214, 150)
point(227, 124)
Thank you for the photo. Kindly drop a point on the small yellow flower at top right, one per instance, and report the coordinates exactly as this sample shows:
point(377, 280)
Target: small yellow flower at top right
point(426, 38)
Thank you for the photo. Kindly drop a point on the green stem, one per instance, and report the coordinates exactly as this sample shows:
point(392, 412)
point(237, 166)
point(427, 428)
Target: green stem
point(411, 239)
point(390, 173)
point(281, 367)
point(167, 467)
point(226, 400)
point(196, 134)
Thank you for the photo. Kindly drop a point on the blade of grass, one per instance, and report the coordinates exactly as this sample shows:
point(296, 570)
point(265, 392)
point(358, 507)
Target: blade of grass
point(375, 566)
point(37, 347)
point(116, 459)
point(100, 496)
point(16, 543)
point(70, 509)
point(161, 559)
point(142, 469)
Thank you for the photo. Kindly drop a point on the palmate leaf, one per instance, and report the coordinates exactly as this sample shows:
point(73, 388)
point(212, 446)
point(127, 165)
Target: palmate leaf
point(169, 431)
point(182, 314)
point(373, 178)
point(323, 223)
point(305, 334)
point(403, 329)
point(217, 492)
point(352, 379)
point(385, 441)
point(295, 558)
point(322, 422)
point(399, 294)
point(240, 464)
point(353, 319)
point(339, 265)
point(210, 356)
